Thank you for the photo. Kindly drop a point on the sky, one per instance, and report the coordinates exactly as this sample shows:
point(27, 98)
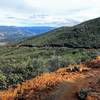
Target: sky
point(47, 12)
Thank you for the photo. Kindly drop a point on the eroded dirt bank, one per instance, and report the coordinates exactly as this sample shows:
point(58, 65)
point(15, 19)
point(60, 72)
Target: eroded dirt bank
point(59, 85)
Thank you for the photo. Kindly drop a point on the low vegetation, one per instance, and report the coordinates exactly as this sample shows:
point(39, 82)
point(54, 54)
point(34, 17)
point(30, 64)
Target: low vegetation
point(91, 92)
point(22, 63)
point(84, 35)
point(82, 94)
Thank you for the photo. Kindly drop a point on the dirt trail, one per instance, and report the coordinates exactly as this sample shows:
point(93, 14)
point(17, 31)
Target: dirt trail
point(64, 91)
point(67, 90)
point(59, 85)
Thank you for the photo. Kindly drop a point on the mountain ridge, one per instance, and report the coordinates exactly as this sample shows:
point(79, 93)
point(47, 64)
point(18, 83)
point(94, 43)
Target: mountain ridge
point(84, 35)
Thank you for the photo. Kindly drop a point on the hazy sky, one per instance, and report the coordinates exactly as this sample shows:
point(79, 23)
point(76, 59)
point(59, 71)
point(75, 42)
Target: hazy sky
point(47, 12)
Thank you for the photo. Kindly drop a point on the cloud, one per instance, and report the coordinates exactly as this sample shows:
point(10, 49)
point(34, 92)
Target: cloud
point(47, 12)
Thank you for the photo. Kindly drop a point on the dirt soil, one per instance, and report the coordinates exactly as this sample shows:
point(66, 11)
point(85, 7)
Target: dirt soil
point(59, 85)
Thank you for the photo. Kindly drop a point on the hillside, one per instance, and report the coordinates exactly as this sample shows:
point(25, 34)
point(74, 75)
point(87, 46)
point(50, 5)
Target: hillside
point(57, 85)
point(39, 73)
point(84, 35)
point(12, 34)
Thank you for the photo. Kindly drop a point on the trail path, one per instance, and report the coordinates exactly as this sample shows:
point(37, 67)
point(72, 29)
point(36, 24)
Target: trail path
point(59, 85)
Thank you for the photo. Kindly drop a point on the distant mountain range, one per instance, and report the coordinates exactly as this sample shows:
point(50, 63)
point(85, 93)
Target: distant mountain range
point(84, 35)
point(14, 34)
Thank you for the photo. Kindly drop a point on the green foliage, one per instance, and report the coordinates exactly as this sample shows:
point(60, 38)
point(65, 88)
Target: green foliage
point(82, 94)
point(18, 64)
point(56, 62)
point(84, 35)
point(3, 82)
point(14, 79)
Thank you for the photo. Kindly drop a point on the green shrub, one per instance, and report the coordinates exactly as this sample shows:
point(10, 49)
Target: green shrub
point(56, 62)
point(14, 79)
point(3, 81)
point(82, 93)
point(7, 69)
point(20, 64)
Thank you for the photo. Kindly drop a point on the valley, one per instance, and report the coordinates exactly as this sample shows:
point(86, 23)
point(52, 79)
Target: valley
point(14, 34)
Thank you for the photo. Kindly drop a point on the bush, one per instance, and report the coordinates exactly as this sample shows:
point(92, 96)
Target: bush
point(8, 69)
point(82, 93)
point(3, 82)
point(14, 79)
point(56, 62)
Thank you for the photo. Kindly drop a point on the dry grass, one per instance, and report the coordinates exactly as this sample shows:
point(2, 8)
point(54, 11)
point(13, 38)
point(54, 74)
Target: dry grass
point(39, 86)
point(42, 86)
